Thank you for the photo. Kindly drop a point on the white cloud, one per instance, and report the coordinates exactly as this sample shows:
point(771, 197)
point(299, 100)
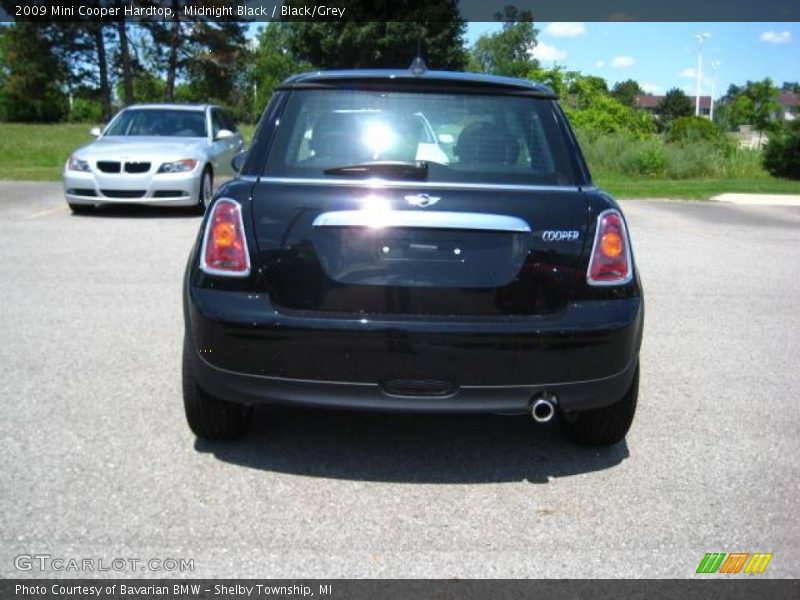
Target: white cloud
point(565, 30)
point(622, 62)
point(776, 37)
point(651, 88)
point(548, 53)
point(600, 64)
point(689, 73)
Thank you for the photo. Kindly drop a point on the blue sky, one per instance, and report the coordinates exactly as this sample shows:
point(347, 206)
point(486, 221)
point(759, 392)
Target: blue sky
point(664, 55)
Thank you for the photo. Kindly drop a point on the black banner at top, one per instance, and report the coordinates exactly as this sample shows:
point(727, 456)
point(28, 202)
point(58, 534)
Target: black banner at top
point(397, 10)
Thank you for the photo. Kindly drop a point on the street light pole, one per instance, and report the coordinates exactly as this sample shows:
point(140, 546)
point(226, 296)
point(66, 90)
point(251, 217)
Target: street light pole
point(702, 37)
point(714, 65)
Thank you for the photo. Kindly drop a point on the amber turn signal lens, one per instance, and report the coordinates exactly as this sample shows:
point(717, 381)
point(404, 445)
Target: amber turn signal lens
point(611, 244)
point(224, 235)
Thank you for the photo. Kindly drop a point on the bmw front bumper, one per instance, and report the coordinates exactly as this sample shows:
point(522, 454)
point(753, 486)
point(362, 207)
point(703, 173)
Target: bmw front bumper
point(163, 189)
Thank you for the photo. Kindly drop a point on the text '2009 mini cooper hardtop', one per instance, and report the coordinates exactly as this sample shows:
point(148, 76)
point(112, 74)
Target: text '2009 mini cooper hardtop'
point(414, 242)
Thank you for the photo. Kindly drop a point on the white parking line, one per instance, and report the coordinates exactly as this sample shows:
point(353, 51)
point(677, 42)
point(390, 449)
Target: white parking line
point(48, 211)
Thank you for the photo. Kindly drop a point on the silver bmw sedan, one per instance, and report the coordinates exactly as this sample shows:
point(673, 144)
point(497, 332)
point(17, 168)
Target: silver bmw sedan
point(157, 154)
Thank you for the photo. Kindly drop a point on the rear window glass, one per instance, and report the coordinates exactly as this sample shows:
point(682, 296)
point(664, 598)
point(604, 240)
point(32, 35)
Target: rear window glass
point(463, 137)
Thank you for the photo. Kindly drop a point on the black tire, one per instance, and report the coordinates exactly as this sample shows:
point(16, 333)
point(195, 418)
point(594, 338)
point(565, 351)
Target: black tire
point(603, 426)
point(204, 196)
point(208, 417)
point(81, 209)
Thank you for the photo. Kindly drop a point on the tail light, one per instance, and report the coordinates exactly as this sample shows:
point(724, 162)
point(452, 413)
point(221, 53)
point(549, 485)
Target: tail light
point(610, 262)
point(224, 249)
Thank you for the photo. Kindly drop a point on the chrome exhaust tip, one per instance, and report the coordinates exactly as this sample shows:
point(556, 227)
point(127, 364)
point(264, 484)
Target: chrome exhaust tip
point(543, 409)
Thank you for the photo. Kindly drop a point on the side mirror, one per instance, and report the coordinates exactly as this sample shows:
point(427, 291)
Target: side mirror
point(446, 138)
point(96, 131)
point(237, 162)
point(224, 134)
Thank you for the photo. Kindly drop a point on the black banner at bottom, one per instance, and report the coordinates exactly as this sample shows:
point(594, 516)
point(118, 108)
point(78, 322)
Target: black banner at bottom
point(399, 589)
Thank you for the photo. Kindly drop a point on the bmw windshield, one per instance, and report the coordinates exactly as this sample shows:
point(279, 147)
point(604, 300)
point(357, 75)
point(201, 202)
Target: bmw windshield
point(159, 122)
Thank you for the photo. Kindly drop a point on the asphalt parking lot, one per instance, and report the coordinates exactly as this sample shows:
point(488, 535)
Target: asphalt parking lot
point(97, 460)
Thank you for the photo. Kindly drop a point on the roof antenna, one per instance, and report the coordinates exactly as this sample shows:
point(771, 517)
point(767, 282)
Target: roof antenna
point(418, 66)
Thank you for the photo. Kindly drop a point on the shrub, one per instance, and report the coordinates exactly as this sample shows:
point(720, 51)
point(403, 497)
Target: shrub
point(644, 158)
point(86, 111)
point(693, 129)
point(782, 152)
point(604, 115)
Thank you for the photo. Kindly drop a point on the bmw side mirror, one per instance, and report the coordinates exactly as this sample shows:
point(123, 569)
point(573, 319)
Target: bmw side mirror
point(238, 161)
point(96, 131)
point(223, 134)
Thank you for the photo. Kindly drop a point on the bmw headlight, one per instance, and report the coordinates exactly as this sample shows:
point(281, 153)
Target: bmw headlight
point(76, 164)
point(178, 166)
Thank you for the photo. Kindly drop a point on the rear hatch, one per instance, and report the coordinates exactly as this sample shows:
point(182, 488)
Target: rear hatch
point(413, 250)
point(420, 198)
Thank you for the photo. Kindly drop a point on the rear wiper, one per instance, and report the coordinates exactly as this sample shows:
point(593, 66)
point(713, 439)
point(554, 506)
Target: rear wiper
point(387, 168)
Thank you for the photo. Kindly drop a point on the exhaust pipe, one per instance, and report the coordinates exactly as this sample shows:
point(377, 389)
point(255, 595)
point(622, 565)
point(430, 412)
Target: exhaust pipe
point(543, 409)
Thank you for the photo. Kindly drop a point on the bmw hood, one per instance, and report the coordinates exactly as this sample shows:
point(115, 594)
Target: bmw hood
point(145, 148)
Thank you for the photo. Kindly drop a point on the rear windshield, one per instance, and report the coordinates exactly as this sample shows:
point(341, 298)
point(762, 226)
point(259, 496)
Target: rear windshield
point(463, 138)
point(161, 122)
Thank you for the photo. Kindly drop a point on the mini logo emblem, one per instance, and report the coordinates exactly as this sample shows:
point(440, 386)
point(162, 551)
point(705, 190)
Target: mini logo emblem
point(422, 200)
point(560, 235)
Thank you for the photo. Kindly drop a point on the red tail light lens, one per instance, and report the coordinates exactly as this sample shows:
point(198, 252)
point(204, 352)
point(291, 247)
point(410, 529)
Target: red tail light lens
point(610, 263)
point(224, 245)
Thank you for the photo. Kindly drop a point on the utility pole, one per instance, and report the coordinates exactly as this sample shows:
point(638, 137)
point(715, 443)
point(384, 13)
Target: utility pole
point(702, 37)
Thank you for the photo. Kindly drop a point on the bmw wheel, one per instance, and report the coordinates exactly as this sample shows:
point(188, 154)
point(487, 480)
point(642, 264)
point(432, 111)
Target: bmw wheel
point(206, 190)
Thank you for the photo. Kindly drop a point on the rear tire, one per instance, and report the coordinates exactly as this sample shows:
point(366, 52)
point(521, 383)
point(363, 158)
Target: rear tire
point(81, 209)
point(208, 417)
point(606, 425)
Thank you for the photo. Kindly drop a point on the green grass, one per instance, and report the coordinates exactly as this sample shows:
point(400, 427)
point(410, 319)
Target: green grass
point(37, 153)
point(34, 152)
point(622, 186)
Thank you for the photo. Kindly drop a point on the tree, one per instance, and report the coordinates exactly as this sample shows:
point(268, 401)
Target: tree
point(764, 98)
point(273, 62)
point(583, 90)
point(601, 114)
point(34, 74)
point(754, 103)
point(675, 104)
point(365, 41)
point(217, 71)
point(508, 51)
point(626, 91)
point(124, 56)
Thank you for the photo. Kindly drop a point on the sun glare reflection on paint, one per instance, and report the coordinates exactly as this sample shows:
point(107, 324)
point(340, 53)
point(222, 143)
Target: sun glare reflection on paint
point(375, 210)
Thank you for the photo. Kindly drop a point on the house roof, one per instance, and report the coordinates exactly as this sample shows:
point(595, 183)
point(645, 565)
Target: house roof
point(789, 99)
point(651, 101)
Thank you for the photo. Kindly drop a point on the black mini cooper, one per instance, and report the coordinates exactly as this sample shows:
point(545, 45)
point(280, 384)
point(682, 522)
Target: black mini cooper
point(413, 241)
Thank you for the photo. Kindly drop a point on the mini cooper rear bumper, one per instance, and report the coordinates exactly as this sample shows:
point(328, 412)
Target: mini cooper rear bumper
point(245, 350)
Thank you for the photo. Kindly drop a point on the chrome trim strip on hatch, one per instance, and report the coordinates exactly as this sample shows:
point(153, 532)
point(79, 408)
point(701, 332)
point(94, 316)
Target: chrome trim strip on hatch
point(385, 183)
point(424, 219)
